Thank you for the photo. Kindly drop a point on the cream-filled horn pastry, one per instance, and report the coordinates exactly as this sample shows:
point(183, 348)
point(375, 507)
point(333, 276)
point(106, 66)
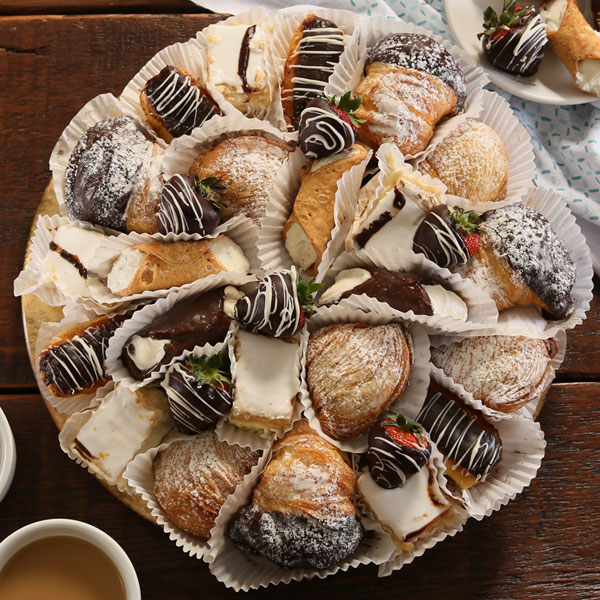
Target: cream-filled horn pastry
point(302, 512)
point(125, 424)
point(192, 322)
point(267, 382)
point(416, 510)
point(575, 42)
point(389, 212)
point(113, 177)
point(471, 445)
point(238, 66)
point(402, 291)
point(308, 229)
point(68, 258)
point(73, 362)
point(175, 103)
point(355, 372)
point(278, 305)
point(161, 265)
point(503, 372)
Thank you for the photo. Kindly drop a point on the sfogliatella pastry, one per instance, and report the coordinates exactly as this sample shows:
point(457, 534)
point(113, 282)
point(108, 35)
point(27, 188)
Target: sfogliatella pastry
point(514, 40)
point(471, 161)
point(73, 362)
point(355, 372)
point(302, 513)
point(471, 445)
point(175, 103)
point(411, 82)
point(194, 477)
point(124, 425)
point(402, 291)
point(162, 265)
point(238, 66)
point(267, 382)
point(503, 372)
point(523, 262)
point(247, 166)
point(575, 42)
point(192, 322)
point(199, 392)
point(113, 177)
point(68, 258)
point(189, 206)
point(397, 450)
point(278, 306)
point(308, 230)
point(315, 49)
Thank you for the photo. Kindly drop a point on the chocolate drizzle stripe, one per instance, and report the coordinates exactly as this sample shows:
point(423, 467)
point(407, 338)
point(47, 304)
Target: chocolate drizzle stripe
point(70, 258)
point(244, 57)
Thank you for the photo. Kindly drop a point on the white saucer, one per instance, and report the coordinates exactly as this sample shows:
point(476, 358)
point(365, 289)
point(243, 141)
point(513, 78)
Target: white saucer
point(8, 455)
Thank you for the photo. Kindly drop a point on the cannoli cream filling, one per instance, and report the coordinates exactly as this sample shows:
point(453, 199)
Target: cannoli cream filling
point(553, 14)
point(145, 352)
point(230, 298)
point(229, 254)
point(299, 247)
point(446, 303)
point(124, 269)
point(344, 282)
point(588, 77)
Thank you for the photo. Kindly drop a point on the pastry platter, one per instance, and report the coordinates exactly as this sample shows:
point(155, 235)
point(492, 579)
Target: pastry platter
point(552, 84)
point(196, 365)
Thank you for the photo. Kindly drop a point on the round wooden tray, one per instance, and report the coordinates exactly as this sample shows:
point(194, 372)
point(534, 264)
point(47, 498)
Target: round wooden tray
point(35, 312)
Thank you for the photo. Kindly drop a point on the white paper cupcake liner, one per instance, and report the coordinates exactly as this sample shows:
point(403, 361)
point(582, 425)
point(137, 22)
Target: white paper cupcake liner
point(240, 229)
point(482, 310)
point(104, 106)
point(188, 56)
point(497, 114)
point(146, 315)
point(73, 316)
point(528, 320)
point(523, 447)
point(414, 395)
point(227, 432)
point(530, 410)
point(244, 572)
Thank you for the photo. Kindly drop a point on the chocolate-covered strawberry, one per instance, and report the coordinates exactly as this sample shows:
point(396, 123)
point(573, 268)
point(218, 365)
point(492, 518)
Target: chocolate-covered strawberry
point(514, 40)
point(397, 450)
point(328, 126)
point(199, 392)
point(190, 205)
point(448, 237)
point(279, 305)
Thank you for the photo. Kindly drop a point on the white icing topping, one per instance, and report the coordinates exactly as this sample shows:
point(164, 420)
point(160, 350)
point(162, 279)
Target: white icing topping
point(124, 269)
point(344, 282)
point(229, 254)
point(147, 352)
point(446, 303)
point(553, 13)
point(299, 247)
point(588, 77)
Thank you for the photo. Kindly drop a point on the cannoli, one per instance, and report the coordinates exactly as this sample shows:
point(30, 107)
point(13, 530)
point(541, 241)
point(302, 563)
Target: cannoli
point(575, 43)
point(161, 265)
point(308, 229)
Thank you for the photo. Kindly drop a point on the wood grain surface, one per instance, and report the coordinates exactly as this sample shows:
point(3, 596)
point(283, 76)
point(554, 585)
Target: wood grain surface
point(543, 546)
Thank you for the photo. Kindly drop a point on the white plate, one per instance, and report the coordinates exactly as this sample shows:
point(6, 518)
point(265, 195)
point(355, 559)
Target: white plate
point(552, 84)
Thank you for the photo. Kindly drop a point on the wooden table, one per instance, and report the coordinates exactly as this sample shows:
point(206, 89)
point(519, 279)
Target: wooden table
point(543, 546)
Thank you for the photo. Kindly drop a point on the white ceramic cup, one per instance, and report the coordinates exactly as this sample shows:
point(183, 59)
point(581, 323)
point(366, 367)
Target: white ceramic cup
point(78, 529)
point(8, 455)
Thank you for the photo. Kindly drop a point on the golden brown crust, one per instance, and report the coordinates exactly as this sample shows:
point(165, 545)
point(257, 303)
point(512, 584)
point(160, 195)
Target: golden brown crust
point(193, 478)
point(419, 101)
point(354, 373)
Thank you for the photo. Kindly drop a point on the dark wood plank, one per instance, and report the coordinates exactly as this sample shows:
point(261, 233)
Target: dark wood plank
point(543, 545)
point(64, 7)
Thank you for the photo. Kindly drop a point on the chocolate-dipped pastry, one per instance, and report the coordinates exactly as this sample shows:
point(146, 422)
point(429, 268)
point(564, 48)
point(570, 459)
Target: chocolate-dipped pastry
point(175, 103)
point(108, 173)
point(471, 445)
point(514, 41)
point(189, 206)
point(421, 53)
point(278, 306)
point(315, 50)
point(397, 450)
point(199, 392)
point(192, 322)
point(74, 362)
point(328, 126)
point(402, 291)
point(442, 236)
